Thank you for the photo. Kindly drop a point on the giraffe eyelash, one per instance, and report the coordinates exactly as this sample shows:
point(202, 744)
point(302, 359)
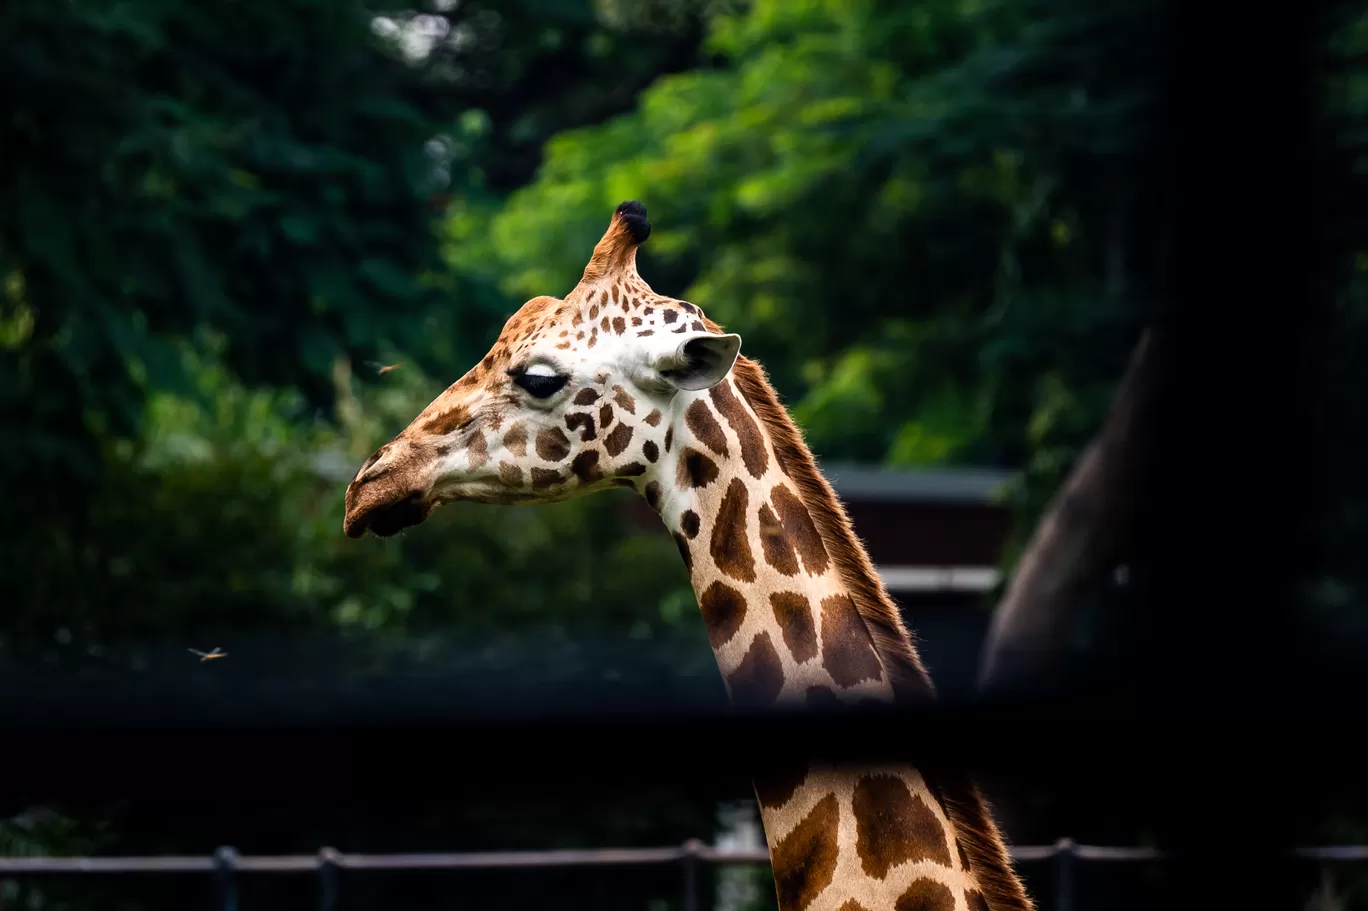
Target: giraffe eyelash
point(539, 384)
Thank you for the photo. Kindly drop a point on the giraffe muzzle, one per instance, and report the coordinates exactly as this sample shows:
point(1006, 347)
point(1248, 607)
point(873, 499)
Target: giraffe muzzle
point(386, 519)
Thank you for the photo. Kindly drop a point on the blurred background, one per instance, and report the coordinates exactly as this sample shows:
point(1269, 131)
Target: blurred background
point(244, 242)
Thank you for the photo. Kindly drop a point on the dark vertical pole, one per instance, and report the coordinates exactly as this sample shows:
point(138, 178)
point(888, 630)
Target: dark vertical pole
point(225, 885)
point(1065, 857)
point(329, 862)
point(692, 863)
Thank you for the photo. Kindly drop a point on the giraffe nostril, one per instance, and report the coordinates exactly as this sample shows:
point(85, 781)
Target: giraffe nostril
point(371, 461)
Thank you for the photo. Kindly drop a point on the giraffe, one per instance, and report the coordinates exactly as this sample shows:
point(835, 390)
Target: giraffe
point(615, 385)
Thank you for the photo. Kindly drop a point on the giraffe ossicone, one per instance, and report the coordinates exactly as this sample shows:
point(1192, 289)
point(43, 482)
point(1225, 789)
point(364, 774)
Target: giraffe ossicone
point(616, 385)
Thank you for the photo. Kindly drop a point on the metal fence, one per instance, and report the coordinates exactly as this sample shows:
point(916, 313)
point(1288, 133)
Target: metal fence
point(226, 864)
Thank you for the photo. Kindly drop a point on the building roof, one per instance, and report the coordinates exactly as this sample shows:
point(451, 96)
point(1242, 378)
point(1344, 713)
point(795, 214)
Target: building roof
point(854, 481)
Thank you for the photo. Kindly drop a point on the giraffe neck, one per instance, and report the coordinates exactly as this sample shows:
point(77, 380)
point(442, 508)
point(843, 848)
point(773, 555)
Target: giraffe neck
point(796, 615)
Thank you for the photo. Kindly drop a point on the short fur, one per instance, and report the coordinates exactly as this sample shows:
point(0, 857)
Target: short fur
point(964, 805)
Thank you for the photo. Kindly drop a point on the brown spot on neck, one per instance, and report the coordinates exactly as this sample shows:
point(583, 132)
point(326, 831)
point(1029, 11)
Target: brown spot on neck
point(894, 826)
point(852, 905)
point(759, 677)
point(800, 530)
point(776, 787)
point(730, 545)
point(695, 469)
point(847, 650)
point(926, 895)
point(701, 423)
point(724, 610)
point(794, 615)
point(805, 860)
point(753, 453)
point(774, 541)
point(690, 523)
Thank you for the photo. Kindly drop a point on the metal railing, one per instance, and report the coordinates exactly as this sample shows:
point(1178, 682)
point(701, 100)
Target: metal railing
point(226, 864)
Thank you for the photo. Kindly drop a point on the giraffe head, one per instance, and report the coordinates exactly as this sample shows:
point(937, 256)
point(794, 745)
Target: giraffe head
point(571, 399)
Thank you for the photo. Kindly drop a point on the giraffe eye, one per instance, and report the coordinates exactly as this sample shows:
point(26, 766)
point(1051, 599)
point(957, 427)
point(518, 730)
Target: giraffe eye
point(540, 385)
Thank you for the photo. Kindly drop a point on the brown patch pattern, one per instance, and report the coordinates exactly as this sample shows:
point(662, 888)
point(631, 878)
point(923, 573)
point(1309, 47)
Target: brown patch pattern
point(805, 860)
point(690, 523)
point(449, 421)
point(926, 895)
point(543, 478)
point(617, 441)
point(847, 650)
point(797, 522)
point(695, 470)
point(822, 695)
point(759, 677)
point(515, 441)
point(477, 451)
point(753, 452)
point(894, 826)
point(585, 466)
point(683, 544)
point(730, 547)
point(776, 787)
point(584, 420)
point(794, 613)
point(724, 610)
point(704, 426)
point(510, 474)
point(552, 444)
point(775, 543)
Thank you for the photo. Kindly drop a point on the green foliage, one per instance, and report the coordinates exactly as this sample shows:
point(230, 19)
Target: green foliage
point(225, 520)
point(923, 218)
point(912, 243)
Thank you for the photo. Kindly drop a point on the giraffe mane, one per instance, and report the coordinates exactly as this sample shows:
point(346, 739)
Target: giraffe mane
point(964, 804)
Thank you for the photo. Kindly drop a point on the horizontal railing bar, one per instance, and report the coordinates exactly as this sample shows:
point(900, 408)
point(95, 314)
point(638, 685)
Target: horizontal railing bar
point(1335, 852)
point(481, 860)
point(489, 860)
point(106, 864)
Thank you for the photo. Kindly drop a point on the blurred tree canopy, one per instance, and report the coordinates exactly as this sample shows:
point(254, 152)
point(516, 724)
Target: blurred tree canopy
point(211, 217)
point(937, 225)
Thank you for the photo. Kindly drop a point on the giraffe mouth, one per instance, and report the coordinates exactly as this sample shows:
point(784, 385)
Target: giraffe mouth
point(385, 520)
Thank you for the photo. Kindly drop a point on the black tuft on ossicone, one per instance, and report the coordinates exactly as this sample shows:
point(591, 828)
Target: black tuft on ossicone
point(634, 217)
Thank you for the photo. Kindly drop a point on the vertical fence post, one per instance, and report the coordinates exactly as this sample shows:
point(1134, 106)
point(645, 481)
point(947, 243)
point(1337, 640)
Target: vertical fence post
point(225, 884)
point(692, 864)
point(1065, 856)
point(329, 887)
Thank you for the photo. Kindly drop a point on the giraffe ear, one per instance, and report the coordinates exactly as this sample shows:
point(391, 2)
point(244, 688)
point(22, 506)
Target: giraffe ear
point(699, 360)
